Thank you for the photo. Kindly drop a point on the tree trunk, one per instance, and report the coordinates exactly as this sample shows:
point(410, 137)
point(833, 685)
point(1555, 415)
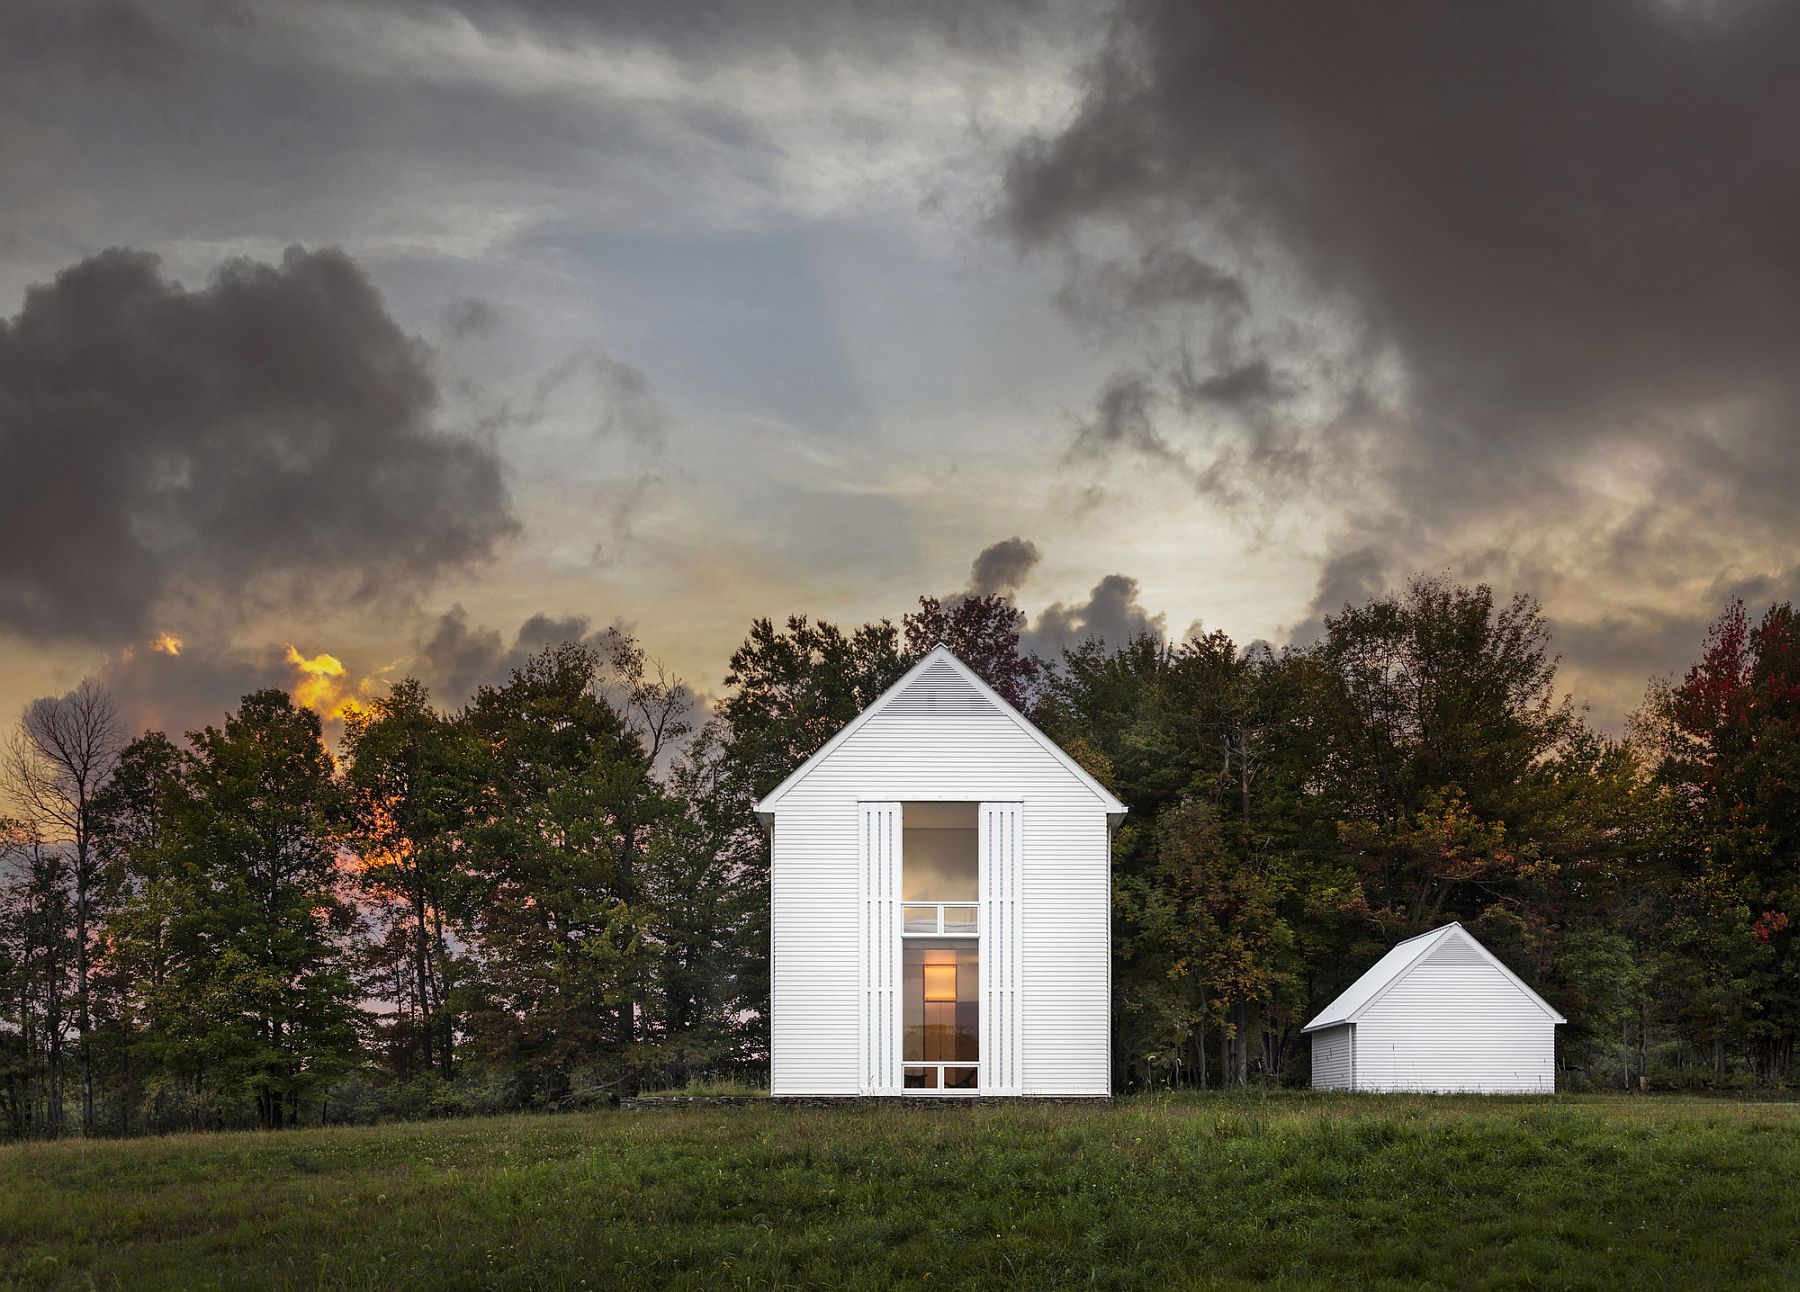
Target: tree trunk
point(441, 978)
point(422, 979)
point(83, 1021)
point(1241, 1020)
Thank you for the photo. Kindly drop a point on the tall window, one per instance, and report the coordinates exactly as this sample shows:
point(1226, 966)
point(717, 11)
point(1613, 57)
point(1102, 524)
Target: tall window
point(939, 865)
point(941, 982)
point(940, 972)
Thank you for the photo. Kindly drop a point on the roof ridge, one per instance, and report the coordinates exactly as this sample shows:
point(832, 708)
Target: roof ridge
point(969, 675)
point(1429, 933)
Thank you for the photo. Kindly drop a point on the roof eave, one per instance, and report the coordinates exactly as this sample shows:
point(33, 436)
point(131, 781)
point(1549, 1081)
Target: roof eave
point(768, 803)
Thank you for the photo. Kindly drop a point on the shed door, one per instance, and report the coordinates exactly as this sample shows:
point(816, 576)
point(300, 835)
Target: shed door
point(1001, 864)
point(878, 947)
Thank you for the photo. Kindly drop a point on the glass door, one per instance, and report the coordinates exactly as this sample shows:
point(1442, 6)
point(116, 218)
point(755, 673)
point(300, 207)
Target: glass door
point(940, 973)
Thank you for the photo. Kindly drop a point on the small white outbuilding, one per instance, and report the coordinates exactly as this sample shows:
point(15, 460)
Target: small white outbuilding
point(940, 903)
point(1439, 1012)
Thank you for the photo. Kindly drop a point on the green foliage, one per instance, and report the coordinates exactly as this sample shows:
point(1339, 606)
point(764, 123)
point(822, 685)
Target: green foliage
point(228, 953)
point(414, 778)
point(793, 690)
point(556, 896)
point(560, 914)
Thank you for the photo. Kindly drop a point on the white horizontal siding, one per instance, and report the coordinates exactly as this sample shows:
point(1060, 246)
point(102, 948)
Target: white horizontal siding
point(954, 752)
point(1331, 1058)
point(1454, 1022)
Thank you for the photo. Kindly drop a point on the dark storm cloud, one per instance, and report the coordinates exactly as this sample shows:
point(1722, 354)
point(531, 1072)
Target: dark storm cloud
point(1538, 236)
point(1003, 567)
point(267, 439)
point(1348, 579)
point(110, 40)
point(175, 694)
point(1113, 292)
point(727, 28)
point(454, 658)
point(1122, 420)
point(1553, 214)
point(448, 128)
point(1111, 614)
point(1246, 385)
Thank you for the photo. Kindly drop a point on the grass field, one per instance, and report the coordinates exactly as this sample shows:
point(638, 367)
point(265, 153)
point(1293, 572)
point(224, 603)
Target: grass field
point(1210, 1191)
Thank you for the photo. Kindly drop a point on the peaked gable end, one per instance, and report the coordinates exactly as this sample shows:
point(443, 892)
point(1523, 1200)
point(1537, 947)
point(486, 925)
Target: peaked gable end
point(940, 683)
point(938, 688)
point(1450, 945)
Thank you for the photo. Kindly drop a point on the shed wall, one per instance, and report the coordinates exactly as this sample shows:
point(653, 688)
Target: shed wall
point(1456, 1023)
point(954, 752)
point(1331, 1058)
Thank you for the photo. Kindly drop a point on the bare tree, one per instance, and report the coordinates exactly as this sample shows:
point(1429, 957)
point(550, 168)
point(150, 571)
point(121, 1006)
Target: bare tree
point(63, 752)
point(655, 705)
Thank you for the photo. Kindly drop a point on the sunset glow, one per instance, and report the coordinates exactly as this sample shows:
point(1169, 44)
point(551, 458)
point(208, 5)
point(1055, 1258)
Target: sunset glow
point(323, 684)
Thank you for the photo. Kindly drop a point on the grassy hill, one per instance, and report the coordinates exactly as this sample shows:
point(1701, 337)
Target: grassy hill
point(1210, 1191)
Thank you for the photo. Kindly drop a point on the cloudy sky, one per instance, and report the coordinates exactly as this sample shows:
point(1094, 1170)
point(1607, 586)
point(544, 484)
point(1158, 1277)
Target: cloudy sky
point(417, 334)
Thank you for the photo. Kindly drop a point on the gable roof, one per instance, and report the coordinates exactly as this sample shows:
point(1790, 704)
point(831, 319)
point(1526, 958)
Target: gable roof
point(1402, 960)
point(943, 684)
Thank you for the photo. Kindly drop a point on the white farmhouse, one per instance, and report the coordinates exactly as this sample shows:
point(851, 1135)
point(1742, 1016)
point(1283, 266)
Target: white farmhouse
point(940, 904)
point(1438, 1013)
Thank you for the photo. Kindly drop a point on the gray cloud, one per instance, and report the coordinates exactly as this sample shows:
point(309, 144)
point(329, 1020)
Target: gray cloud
point(1122, 420)
point(1003, 567)
point(627, 407)
point(1112, 292)
point(1348, 579)
point(269, 436)
point(470, 316)
point(155, 690)
point(498, 123)
point(1246, 385)
point(1111, 613)
point(454, 657)
point(1497, 262)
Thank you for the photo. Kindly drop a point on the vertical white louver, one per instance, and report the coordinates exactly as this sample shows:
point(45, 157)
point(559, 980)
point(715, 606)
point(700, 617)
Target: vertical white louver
point(1001, 864)
point(878, 947)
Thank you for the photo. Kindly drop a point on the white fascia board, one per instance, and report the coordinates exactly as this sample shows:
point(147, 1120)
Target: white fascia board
point(1362, 996)
point(1394, 965)
point(1114, 808)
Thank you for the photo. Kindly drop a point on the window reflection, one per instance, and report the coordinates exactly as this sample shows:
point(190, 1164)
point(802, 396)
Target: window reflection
point(939, 852)
point(940, 979)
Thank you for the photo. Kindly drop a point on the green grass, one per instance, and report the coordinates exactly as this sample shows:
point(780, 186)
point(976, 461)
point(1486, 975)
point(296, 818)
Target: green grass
point(710, 1090)
point(1293, 1190)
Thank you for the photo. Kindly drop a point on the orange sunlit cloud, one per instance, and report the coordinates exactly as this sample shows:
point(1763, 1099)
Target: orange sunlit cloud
point(323, 685)
point(166, 643)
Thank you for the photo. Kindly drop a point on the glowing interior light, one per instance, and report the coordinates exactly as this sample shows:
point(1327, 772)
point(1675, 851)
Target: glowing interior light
point(940, 982)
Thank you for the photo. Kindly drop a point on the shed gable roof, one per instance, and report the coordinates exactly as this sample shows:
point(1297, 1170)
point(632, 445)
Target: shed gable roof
point(1401, 960)
point(940, 683)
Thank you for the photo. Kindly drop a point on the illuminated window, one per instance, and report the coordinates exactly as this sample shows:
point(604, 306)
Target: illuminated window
point(940, 982)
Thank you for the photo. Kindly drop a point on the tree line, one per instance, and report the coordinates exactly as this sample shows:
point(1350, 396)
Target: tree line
point(558, 894)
